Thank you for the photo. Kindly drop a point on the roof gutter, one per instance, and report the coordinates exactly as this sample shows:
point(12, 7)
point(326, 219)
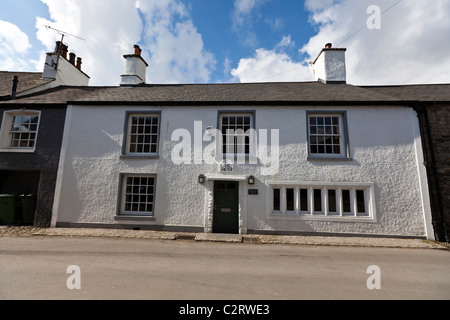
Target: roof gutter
point(244, 103)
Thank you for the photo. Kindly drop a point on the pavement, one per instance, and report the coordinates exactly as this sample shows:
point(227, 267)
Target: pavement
point(31, 231)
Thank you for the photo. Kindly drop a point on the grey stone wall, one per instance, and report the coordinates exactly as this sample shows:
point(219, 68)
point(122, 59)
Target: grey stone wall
point(436, 138)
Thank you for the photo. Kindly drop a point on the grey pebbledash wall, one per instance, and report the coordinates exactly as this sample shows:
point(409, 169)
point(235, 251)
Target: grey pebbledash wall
point(42, 164)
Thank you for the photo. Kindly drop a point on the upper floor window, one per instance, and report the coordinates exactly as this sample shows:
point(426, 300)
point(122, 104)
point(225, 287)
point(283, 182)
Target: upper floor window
point(236, 134)
point(327, 135)
point(142, 134)
point(19, 130)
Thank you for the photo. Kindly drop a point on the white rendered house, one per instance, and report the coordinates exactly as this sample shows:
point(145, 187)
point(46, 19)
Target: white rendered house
point(284, 158)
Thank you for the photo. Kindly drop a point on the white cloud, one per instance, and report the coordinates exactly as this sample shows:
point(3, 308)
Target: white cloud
point(410, 47)
point(271, 65)
point(242, 8)
point(175, 47)
point(14, 45)
point(285, 42)
point(241, 18)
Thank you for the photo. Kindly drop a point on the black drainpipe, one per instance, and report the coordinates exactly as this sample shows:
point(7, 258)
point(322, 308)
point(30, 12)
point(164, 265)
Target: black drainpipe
point(14, 87)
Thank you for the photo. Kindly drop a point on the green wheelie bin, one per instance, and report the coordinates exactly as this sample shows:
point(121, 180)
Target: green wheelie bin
point(8, 209)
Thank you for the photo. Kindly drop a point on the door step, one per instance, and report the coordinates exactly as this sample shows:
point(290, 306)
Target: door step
point(219, 237)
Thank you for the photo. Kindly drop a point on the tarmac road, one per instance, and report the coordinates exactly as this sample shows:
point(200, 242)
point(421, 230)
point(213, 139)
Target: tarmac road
point(38, 267)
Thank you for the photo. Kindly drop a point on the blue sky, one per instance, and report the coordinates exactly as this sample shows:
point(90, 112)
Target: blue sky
point(215, 41)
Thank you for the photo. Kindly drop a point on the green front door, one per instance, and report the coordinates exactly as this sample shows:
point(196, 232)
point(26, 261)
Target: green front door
point(226, 207)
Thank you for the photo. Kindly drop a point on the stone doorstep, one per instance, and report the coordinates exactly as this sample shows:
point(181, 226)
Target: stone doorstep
point(222, 237)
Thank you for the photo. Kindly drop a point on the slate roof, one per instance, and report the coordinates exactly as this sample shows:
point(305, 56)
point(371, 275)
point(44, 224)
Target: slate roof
point(231, 93)
point(27, 80)
point(269, 93)
point(419, 92)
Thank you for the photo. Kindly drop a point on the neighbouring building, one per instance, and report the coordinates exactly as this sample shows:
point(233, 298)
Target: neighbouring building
point(31, 136)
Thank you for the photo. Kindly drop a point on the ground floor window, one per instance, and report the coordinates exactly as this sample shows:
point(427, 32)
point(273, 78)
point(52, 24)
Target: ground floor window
point(322, 200)
point(138, 195)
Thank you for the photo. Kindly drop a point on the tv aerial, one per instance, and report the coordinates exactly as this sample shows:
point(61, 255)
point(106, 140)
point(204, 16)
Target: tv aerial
point(63, 33)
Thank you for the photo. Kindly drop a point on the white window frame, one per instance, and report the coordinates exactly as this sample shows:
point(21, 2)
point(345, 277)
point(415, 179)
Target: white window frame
point(343, 136)
point(369, 214)
point(251, 135)
point(6, 132)
point(128, 127)
point(125, 192)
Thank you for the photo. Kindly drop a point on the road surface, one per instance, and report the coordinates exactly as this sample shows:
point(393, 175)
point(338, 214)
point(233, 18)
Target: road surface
point(42, 267)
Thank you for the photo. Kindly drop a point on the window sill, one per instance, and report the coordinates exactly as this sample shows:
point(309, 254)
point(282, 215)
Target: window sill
point(324, 158)
point(124, 217)
point(138, 157)
point(18, 150)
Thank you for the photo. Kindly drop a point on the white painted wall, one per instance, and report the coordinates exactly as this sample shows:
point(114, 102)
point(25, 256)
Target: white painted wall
point(383, 144)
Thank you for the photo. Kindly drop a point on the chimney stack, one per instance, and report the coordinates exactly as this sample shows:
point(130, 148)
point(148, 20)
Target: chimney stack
point(135, 68)
point(67, 72)
point(329, 66)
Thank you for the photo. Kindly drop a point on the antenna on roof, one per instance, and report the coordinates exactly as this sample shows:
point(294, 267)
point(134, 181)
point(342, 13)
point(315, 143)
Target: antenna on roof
point(62, 33)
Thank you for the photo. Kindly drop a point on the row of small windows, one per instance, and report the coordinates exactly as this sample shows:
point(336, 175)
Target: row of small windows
point(313, 200)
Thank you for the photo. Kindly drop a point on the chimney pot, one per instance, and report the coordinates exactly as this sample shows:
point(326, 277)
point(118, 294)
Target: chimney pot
point(64, 50)
point(72, 58)
point(79, 63)
point(137, 50)
point(58, 47)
